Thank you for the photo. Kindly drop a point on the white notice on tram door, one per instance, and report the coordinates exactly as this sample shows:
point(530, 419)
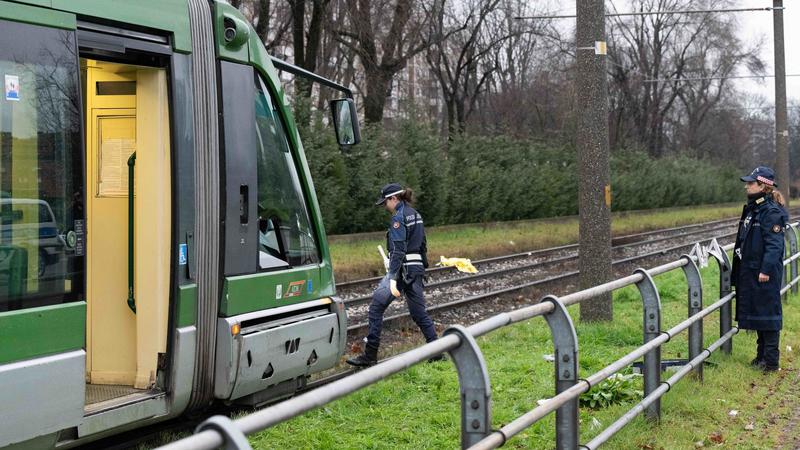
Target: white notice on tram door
point(278, 292)
point(114, 154)
point(12, 88)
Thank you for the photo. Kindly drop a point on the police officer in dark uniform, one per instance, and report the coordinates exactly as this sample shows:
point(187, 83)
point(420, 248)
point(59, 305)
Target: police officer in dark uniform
point(407, 248)
point(758, 265)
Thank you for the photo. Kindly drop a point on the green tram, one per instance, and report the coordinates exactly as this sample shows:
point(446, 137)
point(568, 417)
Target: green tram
point(161, 244)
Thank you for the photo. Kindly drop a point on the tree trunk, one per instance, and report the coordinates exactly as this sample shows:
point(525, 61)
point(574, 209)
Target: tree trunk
point(306, 48)
point(262, 28)
point(379, 86)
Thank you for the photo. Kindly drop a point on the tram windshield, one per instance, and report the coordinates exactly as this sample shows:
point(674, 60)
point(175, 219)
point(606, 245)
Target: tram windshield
point(285, 233)
point(40, 168)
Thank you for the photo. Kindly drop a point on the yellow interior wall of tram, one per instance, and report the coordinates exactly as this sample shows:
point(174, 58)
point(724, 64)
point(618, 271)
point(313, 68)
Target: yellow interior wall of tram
point(123, 347)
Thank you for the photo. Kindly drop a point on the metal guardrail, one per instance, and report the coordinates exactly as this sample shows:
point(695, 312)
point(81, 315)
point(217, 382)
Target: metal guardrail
point(473, 377)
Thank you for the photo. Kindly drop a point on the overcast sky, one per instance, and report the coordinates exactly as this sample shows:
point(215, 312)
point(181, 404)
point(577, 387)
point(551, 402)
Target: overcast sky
point(757, 24)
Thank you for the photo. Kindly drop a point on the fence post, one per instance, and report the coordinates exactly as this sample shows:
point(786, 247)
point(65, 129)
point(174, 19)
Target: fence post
point(695, 283)
point(565, 345)
point(652, 328)
point(231, 434)
point(791, 270)
point(725, 311)
point(791, 247)
point(476, 392)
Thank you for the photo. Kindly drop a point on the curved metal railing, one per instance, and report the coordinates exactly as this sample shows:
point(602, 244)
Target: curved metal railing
point(473, 376)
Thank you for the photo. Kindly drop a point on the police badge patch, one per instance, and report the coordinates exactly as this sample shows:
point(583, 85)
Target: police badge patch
point(776, 228)
point(396, 225)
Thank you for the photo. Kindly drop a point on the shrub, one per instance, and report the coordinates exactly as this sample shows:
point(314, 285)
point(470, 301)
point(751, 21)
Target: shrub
point(498, 178)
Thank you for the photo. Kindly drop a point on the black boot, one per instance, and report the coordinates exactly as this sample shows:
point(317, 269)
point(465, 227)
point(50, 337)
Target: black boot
point(437, 358)
point(366, 359)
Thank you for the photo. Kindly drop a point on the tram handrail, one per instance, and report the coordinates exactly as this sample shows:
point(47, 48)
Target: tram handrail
point(473, 376)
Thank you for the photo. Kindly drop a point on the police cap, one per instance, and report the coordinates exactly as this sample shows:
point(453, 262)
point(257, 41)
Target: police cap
point(763, 175)
point(388, 191)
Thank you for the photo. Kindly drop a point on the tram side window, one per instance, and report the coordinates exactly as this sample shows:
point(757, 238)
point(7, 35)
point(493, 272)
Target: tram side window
point(41, 168)
point(285, 232)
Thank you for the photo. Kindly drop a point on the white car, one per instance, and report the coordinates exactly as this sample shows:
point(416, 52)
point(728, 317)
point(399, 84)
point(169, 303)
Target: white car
point(30, 225)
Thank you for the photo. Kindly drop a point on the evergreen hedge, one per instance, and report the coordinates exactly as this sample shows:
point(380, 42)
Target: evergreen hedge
point(498, 178)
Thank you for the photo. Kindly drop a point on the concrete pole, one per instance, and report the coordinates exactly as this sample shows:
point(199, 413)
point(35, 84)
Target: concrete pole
point(594, 203)
point(781, 123)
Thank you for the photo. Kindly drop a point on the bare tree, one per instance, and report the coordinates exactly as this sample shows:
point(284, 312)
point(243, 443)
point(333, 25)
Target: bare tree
point(385, 34)
point(529, 92)
point(463, 63)
point(716, 56)
point(651, 47)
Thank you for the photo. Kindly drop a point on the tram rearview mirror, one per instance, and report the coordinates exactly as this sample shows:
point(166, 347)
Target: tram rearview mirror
point(345, 121)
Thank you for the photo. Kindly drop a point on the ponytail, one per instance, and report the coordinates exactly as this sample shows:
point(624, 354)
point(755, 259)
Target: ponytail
point(776, 195)
point(407, 196)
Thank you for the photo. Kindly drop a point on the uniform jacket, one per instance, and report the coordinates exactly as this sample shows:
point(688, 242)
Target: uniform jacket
point(759, 249)
point(406, 239)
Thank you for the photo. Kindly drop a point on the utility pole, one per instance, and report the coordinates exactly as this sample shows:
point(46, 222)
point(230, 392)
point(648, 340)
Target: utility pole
point(594, 202)
point(781, 123)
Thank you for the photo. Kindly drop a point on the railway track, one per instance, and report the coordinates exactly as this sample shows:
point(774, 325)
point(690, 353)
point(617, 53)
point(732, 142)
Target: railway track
point(619, 241)
point(546, 278)
point(531, 270)
point(520, 262)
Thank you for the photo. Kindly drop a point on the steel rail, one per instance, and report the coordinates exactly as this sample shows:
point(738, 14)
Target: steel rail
point(614, 428)
point(291, 408)
point(524, 267)
point(499, 437)
point(524, 421)
point(568, 300)
point(311, 400)
point(347, 284)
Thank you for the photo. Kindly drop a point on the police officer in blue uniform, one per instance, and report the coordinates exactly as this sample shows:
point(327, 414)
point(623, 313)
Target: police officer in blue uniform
point(758, 265)
point(407, 248)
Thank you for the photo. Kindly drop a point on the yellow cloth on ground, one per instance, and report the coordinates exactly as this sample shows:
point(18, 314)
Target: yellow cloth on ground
point(462, 264)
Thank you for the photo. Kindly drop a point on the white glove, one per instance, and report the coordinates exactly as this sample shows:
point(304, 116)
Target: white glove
point(385, 259)
point(393, 288)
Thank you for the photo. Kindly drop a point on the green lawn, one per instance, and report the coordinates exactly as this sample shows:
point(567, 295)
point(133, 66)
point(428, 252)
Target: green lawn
point(419, 408)
point(356, 256)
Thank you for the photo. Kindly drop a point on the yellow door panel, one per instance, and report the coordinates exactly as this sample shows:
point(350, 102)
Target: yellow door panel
point(122, 118)
point(110, 138)
point(113, 324)
point(153, 213)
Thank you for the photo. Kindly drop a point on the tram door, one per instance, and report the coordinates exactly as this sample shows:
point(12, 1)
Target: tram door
point(111, 140)
point(126, 113)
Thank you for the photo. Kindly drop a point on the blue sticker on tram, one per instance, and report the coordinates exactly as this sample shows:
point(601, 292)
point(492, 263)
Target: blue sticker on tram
point(183, 255)
point(310, 287)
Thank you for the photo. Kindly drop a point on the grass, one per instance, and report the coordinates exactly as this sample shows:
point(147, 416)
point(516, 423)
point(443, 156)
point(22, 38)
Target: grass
point(419, 408)
point(356, 256)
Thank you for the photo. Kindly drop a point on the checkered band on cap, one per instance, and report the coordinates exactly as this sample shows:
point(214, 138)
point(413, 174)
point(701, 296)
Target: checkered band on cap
point(766, 181)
